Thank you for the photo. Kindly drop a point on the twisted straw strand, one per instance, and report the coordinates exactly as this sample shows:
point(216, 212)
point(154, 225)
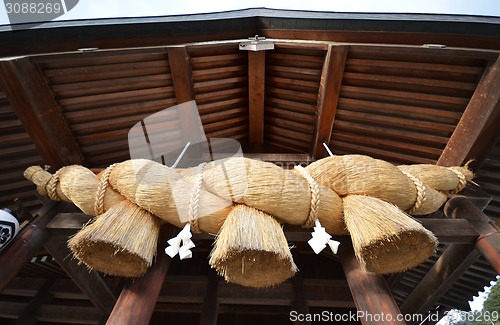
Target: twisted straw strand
point(420, 199)
point(314, 189)
point(195, 199)
point(52, 186)
point(101, 190)
point(462, 181)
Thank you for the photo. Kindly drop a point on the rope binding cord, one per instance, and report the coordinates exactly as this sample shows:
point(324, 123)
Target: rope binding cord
point(420, 199)
point(101, 190)
point(194, 202)
point(314, 190)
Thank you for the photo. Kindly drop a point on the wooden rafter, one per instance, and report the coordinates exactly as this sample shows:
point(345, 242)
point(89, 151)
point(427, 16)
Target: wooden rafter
point(31, 98)
point(256, 90)
point(180, 68)
point(481, 106)
point(328, 97)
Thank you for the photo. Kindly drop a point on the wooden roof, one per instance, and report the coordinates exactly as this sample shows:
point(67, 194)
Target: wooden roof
point(361, 82)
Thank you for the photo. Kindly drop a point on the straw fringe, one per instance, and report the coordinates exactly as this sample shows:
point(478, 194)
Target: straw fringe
point(115, 244)
point(251, 249)
point(385, 239)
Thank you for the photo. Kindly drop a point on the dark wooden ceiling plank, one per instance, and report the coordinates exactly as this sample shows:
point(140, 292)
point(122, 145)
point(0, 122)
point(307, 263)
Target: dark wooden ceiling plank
point(328, 97)
point(365, 286)
point(479, 110)
point(34, 104)
point(43, 296)
point(138, 298)
point(256, 91)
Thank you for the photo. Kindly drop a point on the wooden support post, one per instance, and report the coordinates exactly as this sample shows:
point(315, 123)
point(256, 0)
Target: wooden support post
point(31, 98)
point(299, 303)
point(448, 268)
point(90, 282)
point(256, 91)
point(138, 298)
point(488, 242)
point(210, 310)
point(476, 116)
point(328, 97)
point(369, 291)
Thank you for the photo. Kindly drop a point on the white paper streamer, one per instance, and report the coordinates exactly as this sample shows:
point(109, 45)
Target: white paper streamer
point(320, 238)
point(181, 244)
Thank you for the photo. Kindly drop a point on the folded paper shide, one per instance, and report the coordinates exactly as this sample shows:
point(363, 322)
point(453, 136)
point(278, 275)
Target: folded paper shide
point(245, 202)
point(181, 244)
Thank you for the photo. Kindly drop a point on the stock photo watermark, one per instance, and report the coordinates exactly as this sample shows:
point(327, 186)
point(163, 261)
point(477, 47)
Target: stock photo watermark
point(358, 316)
point(36, 12)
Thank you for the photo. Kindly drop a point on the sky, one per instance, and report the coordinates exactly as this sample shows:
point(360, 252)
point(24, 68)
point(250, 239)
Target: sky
point(132, 8)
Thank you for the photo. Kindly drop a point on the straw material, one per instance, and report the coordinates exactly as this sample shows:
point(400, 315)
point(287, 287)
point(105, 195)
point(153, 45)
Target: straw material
point(120, 242)
point(363, 175)
point(251, 249)
point(267, 187)
point(437, 177)
point(149, 185)
point(385, 239)
point(75, 184)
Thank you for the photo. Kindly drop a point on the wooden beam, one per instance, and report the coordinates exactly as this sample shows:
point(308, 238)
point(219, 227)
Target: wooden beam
point(446, 230)
point(448, 268)
point(489, 137)
point(369, 291)
point(90, 282)
point(479, 110)
point(210, 310)
point(488, 242)
point(31, 98)
point(29, 240)
point(256, 93)
point(137, 301)
point(328, 97)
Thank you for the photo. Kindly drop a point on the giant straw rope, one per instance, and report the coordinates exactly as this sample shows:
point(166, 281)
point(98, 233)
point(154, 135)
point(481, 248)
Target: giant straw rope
point(335, 190)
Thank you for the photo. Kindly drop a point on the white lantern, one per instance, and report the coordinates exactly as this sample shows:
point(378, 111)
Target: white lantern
point(9, 227)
